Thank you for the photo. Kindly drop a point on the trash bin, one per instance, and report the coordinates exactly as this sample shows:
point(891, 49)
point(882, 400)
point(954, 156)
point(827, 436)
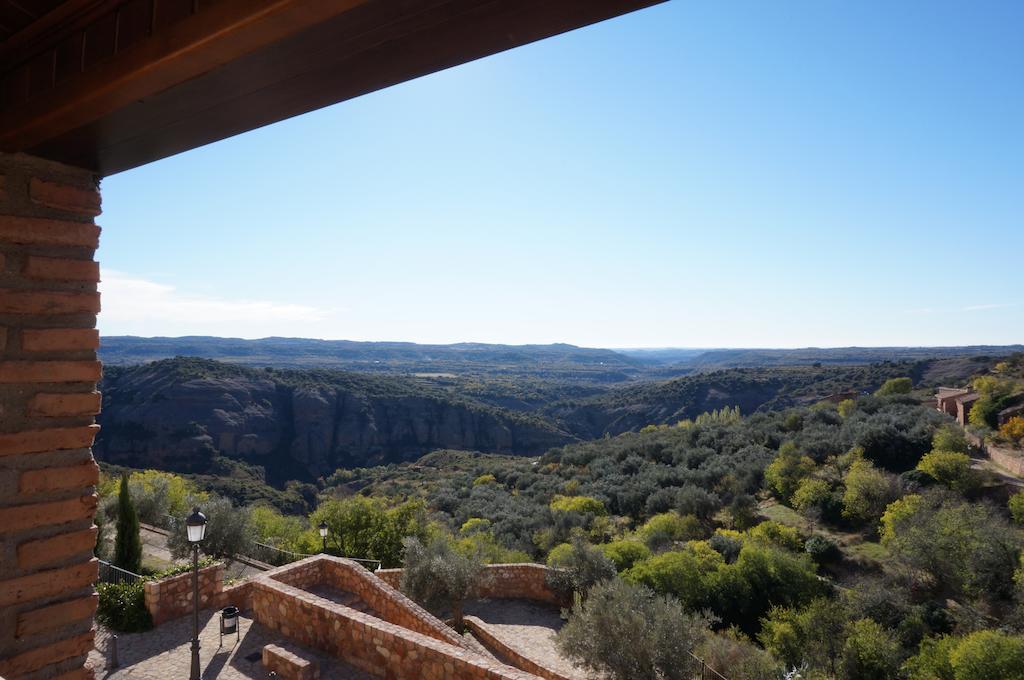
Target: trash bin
point(229, 623)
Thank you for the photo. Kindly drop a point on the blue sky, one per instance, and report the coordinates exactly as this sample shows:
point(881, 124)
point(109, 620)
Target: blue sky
point(696, 174)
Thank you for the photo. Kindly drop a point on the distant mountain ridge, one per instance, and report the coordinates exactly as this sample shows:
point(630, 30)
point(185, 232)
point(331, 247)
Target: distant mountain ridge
point(552, 361)
point(600, 365)
point(714, 359)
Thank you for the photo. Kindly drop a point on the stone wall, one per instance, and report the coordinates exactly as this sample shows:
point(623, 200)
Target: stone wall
point(48, 401)
point(376, 646)
point(171, 598)
point(389, 604)
point(503, 581)
point(1011, 460)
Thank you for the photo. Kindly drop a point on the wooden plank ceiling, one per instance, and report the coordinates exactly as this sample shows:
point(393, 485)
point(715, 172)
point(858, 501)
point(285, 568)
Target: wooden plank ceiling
point(113, 84)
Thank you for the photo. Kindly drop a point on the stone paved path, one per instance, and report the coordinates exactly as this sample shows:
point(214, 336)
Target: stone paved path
point(164, 653)
point(529, 628)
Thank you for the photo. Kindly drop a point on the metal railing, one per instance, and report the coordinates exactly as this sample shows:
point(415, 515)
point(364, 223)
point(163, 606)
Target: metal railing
point(109, 573)
point(271, 554)
point(706, 671)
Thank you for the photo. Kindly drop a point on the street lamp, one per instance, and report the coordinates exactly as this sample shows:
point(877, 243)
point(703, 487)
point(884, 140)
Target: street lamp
point(195, 526)
point(323, 533)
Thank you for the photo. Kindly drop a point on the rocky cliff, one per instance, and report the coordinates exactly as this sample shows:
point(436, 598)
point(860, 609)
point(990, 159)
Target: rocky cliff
point(181, 414)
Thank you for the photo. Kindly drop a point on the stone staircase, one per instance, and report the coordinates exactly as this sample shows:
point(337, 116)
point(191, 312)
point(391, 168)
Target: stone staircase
point(344, 598)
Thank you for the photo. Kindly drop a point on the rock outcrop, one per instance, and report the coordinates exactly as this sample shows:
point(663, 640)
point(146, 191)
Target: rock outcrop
point(160, 416)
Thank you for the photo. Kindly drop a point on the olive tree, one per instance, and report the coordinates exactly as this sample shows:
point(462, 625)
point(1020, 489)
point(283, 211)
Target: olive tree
point(626, 631)
point(437, 576)
point(229, 530)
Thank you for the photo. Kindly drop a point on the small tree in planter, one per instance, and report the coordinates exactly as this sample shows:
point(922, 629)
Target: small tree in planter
point(435, 576)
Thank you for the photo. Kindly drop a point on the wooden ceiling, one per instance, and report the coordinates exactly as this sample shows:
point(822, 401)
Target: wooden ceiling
point(16, 15)
point(113, 84)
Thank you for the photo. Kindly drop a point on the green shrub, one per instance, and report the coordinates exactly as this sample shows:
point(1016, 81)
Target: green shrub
point(625, 553)
point(122, 607)
point(777, 534)
point(895, 386)
point(669, 527)
point(584, 505)
point(950, 468)
point(988, 654)
point(1017, 507)
point(871, 652)
point(822, 549)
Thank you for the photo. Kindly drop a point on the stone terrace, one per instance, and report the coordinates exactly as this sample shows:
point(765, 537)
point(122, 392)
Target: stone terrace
point(333, 609)
point(353, 623)
point(165, 653)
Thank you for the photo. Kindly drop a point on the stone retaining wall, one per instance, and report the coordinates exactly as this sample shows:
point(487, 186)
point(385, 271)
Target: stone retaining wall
point(388, 603)
point(374, 645)
point(503, 581)
point(483, 633)
point(1010, 460)
point(171, 598)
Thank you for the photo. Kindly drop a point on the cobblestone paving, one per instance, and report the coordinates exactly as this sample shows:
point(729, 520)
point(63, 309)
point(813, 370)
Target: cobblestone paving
point(164, 653)
point(529, 628)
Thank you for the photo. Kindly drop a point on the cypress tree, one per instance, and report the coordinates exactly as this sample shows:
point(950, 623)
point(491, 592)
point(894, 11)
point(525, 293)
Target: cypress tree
point(127, 545)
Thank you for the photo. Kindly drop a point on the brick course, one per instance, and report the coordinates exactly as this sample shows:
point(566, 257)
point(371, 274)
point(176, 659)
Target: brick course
point(50, 371)
point(61, 269)
point(70, 198)
point(48, 375)
point(47, 655)
point(64, 404)
point(46, 551)
point(45, 584)
point(57, 438)
point(58, 339)
point(52, 479)
point(56, 615)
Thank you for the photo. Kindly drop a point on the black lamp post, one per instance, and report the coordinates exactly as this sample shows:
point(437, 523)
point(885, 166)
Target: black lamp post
point(196, 528)
point(323, 533)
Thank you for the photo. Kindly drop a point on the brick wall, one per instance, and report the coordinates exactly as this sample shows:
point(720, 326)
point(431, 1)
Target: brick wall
point(503, 581)
point(171, 598)
point(48, 400)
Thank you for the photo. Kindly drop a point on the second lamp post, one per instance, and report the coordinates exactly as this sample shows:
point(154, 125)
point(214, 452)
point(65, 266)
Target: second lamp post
point(323, 534)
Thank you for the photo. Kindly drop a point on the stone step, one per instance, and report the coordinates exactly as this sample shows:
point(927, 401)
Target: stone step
point(353, 601)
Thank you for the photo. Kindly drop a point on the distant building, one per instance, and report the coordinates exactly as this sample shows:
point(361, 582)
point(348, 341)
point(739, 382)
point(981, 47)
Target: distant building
point(956, 401)
point(1010, 412)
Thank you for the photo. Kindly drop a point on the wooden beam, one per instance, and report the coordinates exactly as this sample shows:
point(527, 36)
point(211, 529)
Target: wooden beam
point(224, 32)
point(214, 78)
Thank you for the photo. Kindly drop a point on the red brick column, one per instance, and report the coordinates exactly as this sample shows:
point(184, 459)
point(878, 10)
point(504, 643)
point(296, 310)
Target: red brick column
point(48, 400)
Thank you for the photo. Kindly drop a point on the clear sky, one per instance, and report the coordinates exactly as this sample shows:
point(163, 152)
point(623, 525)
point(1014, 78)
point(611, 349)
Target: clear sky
point(696, 174)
